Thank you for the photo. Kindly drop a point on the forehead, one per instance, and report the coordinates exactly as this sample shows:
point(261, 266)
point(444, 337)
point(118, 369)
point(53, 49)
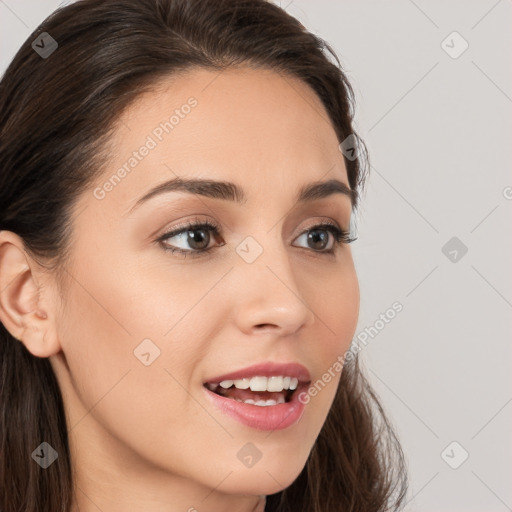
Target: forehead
point(266, 131)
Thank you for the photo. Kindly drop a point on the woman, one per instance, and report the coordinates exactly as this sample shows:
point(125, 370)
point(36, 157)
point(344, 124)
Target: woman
point(178, 295)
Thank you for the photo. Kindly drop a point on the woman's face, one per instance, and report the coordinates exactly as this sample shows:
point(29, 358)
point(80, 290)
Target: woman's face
point(142, 328)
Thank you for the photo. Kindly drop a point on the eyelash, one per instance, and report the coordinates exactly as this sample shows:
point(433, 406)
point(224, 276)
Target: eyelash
point(340, 236)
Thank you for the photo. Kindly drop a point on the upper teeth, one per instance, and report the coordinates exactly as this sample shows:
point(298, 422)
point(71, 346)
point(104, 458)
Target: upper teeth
point(262, 383)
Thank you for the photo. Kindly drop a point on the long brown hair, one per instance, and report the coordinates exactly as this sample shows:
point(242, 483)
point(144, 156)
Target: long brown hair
point(57, 114)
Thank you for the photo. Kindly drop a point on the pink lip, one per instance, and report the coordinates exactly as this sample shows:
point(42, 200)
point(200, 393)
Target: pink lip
point(273, 417)
point(267, 369)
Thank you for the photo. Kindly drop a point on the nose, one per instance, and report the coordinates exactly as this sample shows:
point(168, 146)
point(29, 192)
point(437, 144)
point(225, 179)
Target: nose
point(269, 297)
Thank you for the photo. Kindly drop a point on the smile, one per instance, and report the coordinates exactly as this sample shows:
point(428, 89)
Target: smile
point(259, 390)
point(264, 396)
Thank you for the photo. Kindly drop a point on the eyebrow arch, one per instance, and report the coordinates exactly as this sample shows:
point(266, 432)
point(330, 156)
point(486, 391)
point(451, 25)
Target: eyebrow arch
point(229, 191)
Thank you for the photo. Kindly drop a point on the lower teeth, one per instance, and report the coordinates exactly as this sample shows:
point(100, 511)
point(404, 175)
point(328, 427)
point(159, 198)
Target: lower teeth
point(279, 398)
point(262, 403)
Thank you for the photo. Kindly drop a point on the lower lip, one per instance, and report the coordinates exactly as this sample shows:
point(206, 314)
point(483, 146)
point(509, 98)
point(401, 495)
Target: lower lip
point(268, 417)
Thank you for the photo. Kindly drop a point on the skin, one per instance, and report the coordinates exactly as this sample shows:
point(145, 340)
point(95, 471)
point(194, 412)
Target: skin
point(144, 437)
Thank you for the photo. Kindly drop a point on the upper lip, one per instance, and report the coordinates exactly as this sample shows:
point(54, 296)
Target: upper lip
point(267, 369)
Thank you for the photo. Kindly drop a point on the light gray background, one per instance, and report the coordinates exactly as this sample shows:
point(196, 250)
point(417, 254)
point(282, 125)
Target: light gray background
point(438, 130)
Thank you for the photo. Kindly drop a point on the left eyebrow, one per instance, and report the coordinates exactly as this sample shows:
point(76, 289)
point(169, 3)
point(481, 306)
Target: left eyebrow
point(229, 191)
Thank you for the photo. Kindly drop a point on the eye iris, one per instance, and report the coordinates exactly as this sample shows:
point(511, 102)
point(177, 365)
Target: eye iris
point(319, 237)
point(203, 239)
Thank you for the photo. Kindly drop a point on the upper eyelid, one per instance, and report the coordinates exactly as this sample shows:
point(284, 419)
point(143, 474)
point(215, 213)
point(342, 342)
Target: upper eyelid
point(190, 224)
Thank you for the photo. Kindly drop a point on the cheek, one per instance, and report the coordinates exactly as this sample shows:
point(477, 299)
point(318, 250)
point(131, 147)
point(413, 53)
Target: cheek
point(121, 314)
point(335, 303)
point(333, 297)
point(117, 319)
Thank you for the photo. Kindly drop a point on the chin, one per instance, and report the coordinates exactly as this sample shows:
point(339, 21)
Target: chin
point(262, 479)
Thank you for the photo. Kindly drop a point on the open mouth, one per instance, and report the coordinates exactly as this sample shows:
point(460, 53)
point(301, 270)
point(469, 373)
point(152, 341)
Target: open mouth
point(238, 393)
point(261, 391)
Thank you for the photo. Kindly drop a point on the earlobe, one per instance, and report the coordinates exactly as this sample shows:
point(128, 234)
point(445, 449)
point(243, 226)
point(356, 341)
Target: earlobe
point(23, 310)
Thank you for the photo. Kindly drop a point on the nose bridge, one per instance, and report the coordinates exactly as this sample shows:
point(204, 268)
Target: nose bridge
point(270, 295)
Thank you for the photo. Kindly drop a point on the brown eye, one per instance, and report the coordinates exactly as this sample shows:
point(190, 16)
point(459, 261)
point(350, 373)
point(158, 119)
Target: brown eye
point(324, 238)
point(192, 238)
point(318, 239)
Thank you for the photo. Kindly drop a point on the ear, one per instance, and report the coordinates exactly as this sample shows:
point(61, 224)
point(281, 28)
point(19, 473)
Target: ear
point(26, 299)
